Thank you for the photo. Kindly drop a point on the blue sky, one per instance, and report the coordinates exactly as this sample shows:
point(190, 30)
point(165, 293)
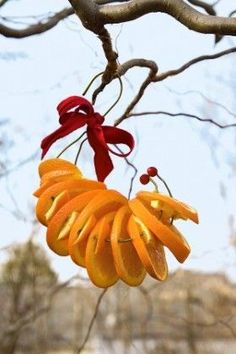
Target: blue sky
point(195, 158)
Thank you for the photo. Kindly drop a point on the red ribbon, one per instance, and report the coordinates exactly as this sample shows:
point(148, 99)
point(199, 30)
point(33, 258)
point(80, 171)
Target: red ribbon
point(98, 136)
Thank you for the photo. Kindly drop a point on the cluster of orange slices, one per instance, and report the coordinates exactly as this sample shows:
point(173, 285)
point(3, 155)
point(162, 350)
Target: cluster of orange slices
point(113, 237)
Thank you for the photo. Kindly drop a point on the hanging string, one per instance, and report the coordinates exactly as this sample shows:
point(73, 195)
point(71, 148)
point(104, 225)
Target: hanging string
point(91, 82)
point(118, 98)
point(73, 142)
point(80, 148)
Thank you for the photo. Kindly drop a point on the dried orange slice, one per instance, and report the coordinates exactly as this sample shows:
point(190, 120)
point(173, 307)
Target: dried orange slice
point(174, 207)
point(149, 248)
point(166, 234)
point(52, 178)
point(104, 231)
point(106, 201)
point(127, 263)
point(55, 196)
point(56, 164)
point(100, 265)
point(77, 246)
point(60, 225)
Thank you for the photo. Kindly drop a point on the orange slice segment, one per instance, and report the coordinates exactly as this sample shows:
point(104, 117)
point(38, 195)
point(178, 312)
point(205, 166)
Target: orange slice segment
point(56, 164)
point(127, 263)
point(175, 206)
point(100, 265)
point(55, 196)
point(57, 203)
point(104, 231)
point(62, 217)
point(166, 234)
point(149, 248)
point(106, 201)
point(77, 246)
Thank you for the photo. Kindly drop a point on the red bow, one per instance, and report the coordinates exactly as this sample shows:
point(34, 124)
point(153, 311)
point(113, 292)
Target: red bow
point(98, 136)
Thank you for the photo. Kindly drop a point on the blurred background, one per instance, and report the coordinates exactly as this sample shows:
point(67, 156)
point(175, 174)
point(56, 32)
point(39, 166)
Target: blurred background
point(47, 303)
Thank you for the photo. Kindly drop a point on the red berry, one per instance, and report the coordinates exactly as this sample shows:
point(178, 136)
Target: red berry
point(152, 171)
point(144, 179)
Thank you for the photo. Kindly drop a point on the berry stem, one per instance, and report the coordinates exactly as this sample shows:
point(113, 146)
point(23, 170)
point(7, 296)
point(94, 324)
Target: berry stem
point(166, 185)
point(155, 184)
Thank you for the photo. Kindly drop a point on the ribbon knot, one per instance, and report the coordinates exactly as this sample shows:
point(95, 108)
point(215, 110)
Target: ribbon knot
point(99, 136)
point(95, 120)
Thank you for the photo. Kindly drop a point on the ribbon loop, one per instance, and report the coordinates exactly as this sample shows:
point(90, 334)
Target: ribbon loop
point(99, 136)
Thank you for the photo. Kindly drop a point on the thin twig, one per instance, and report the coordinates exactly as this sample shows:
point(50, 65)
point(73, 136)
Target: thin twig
point(20, 164)
point(135, 172)
point(163, 76)
point(86, 338)
point(209, 120)
point(215, 103)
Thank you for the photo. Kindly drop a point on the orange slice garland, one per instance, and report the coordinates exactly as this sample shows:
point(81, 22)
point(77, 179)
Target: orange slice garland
point(112, 237)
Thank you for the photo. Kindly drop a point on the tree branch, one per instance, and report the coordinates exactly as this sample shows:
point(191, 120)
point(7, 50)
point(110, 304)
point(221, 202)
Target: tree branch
point(88, 12)
point(3, 2)
point(152, 77)
point(207, 7)
point(199, 59)
point(36, 28)
point(188, 115)
point(178, 9)
point(149, 79)
point(142, 63)
point(92, 321)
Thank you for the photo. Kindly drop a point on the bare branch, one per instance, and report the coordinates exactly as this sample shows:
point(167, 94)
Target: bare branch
point(37, 28)
point(142, 63)
point(232, 13)
point(196, 60)
point(215, 103)
point(86, 338)
point(160, 77)
point(110, 55)
point(207, 7)
point(88, 12)
point(21, 163)
point(121, 70)
point(32, 315)
point(3, 2)
point(180, 114)
point(149, 79)
point(178, 9)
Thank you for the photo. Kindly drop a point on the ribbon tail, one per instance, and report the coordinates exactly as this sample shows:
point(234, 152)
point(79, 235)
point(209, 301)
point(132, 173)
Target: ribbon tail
point(113, 135)
point(103, 165)
point(102, 161)
point(67, 128)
